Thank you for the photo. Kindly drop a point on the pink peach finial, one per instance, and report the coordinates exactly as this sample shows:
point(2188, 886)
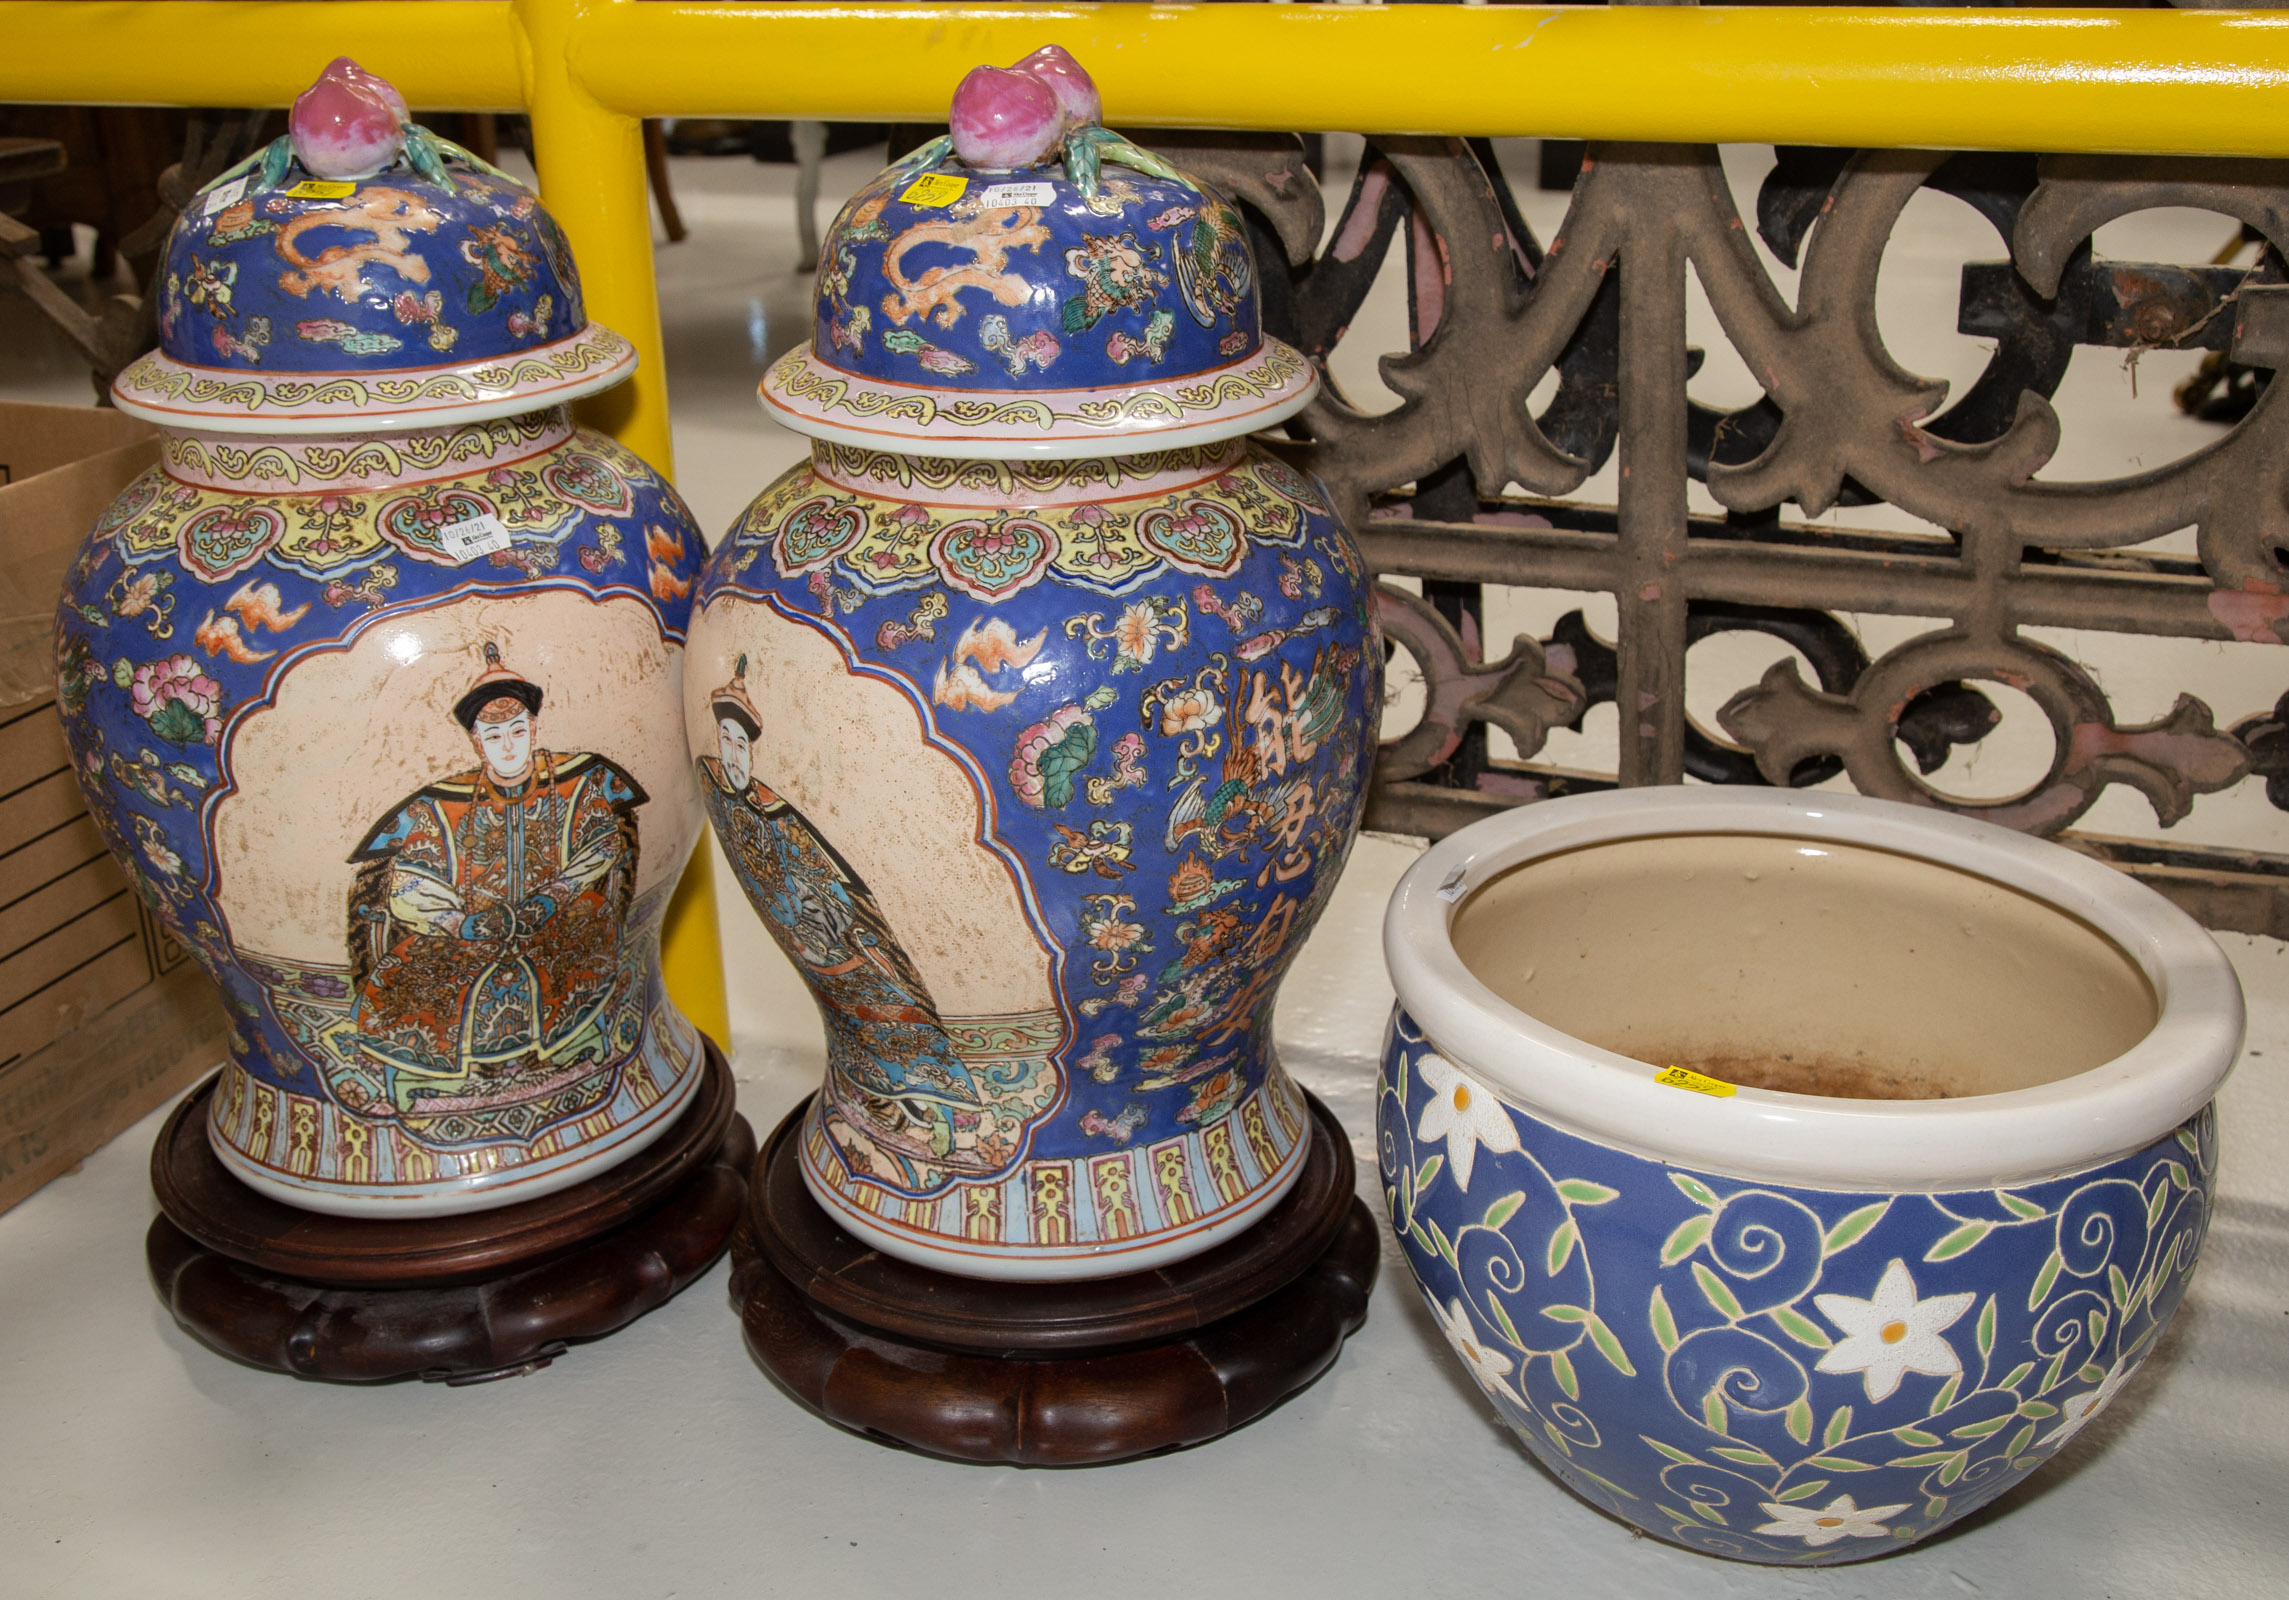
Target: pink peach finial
point(349, 124)
point(1003, 119)
point(1076, 91)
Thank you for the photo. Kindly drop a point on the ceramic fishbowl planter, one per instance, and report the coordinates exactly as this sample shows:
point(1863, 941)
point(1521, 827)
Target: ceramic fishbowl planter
point(1034, 709)
point(1782, 1326)
point(372, 683)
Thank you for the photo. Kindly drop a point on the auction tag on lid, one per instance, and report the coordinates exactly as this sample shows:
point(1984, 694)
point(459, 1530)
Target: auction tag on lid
point(1020, 194)
point(1686, 1078)
point(228, 195)
point(480, 535)
point(935, 189)
point(321, 189)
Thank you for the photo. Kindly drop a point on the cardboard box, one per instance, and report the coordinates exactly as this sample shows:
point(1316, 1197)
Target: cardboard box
point(102, 1015)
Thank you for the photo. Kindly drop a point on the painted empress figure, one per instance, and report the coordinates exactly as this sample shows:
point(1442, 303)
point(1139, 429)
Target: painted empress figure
point(485, 922)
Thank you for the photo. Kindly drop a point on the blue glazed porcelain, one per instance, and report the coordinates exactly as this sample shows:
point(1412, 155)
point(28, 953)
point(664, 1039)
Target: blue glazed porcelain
point(1039, 770)
point(381, 722)
point(1768, 1372)
point(1781, 1327)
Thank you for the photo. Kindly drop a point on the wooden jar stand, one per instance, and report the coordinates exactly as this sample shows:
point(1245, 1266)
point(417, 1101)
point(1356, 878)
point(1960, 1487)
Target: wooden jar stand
point(1052, 1374)
point(457, 1299)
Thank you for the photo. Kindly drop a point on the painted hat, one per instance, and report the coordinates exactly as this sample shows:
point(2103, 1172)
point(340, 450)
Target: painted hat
point(731, 701)
point(496, 682)
point(363, 274)
point(1035, 285)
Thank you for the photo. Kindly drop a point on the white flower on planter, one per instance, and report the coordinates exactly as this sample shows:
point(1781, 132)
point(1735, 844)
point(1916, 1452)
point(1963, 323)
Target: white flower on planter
point(1893, 1334)
point(1464, 1115)
point(1838, 1519)
point(2077, 1412)
point(1490, 1367)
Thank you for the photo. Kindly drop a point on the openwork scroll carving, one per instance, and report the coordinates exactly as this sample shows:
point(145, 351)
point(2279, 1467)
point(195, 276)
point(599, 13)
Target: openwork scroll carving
point(1494, 310)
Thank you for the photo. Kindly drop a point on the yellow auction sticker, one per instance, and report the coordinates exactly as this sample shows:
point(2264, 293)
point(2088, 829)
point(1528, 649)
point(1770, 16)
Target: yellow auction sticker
point(321, 189)
point(934, 189)
point(1686, 1078)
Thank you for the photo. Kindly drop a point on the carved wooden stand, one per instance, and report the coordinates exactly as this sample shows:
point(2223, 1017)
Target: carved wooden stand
point(1052, 1374)
point(457, 1299)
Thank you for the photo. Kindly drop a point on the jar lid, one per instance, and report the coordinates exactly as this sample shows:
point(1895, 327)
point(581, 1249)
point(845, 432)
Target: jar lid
point(362, 274)
point(1036, 285)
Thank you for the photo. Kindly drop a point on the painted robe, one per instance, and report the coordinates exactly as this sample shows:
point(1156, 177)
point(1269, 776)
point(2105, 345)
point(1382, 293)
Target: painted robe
point(485, 932)
point(890, 1066)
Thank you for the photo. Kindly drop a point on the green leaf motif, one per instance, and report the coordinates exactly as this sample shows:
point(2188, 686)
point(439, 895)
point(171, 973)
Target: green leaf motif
point(1839, 1427)
point(1798, 1419)
point(1502, 1321)
point(1445, 1246)
point(1799, 1327)
point(1563, 1370)
point(2178, 1178)
point(1562, 1241)
point(2097, 1326)
point(1713, 1412)
point(1428, 1173)
point(2025, 1210)
point(1559, 1440)
point(1829, 1463)
point(1803, 1491)
point(1849, 1230)
point(1986, 1329)
point(1916, 1438)
point(1954, 1468)
point(1714, 1291)
point(1664, 1325)
point(1686, 1238)
point(2044, 1279)
point(1565, 1313)
point(2016, 1376)
point(2032, 1408)
point(1708, 1513)
point(1946, 1396)
point(1929, 1458)
point(1671, 1451)
point(1582, 1192)
point(1505, 1208)
point(2193, 1148)
point(1610, 1347)
point(2121, 1288)
point(2020, 1440)
point(1958, 1241)
point(1935, 1507)
point(1695, 1190)
point(1746, 1455)
point(1982, 1430)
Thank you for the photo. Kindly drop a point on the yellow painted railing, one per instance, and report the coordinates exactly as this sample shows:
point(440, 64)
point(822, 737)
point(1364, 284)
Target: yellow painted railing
point(2167, 82)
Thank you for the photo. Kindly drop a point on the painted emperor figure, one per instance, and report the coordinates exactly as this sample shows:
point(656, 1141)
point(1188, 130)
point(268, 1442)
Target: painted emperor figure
point(485, 921)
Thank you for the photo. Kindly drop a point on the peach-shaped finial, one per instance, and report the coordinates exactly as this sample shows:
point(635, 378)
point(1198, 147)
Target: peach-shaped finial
point(349, 124)
point(1076, 91)
point(1004, 119)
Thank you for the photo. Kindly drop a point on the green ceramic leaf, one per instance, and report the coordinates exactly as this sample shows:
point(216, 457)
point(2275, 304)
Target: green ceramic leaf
point(1954, 1468)
point(1713, 1411)
point(1985, 1333)
point(1798, 1419)
point(1664, 1325)
point(1502, 1321)
point(1686, 1238)
point(1563, 1370)
point(1671, 1451)
point(1562, 1240)
point(1603, 1483)
point(2025, 1209)
point(1428, 1173)
point(1803, 1491)
point(1935, 1507)
point(2193, 1146)
point(2021, 1439)
point(1916, 1438)
point(1799, 1327)
point(1839, 1427)
point(1746, 1455)
point(1981, 1430)
point(1582, 1192)
point(2016, 1376)
point(1849, 1230)
point(2032, 1408)
point(1565, 1313)
point(2044, 1279)
point(1714, 1290)
point(1928, 1458)
point(1505, 1208)
point(1708, 1513)
point(2121, 1288)
point(1957, 1241)
point(1695, 1190)
point(2097, 1324)
point(1610, 1347)
point(1946, 1396)
point(1829, 1463)
point(1559, 1440)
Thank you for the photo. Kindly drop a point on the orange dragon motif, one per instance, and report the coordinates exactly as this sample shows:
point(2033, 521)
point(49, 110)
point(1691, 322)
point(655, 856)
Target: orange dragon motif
point(391, 215)
point(989, 237)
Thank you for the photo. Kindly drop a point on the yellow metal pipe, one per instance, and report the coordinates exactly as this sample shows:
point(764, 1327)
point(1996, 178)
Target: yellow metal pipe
point(591, 163)
point(449, 55)
point(2158, 80)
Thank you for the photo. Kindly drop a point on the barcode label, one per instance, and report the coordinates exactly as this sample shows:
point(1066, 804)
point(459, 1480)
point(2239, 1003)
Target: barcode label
point(222, 199)
point(934, 189)
point(473, 536)
point(1021, 194)
point(322, 189)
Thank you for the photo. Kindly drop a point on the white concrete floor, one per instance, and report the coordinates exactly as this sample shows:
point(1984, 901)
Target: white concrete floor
point(660, 1462)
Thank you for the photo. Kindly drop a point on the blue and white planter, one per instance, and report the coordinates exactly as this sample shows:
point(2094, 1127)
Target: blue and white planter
point(1777, 1327)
